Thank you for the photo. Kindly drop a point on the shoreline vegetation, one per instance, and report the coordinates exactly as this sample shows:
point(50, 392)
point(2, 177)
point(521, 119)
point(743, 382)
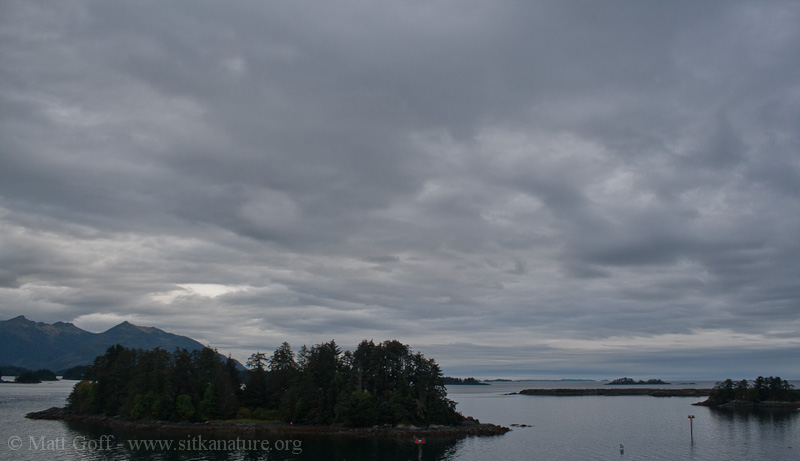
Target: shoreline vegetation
point(450, 381)
point(616, 392)
point(250, 428)
point(377, 388)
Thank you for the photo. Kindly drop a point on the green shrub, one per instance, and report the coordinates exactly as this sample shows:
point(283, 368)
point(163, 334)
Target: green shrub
point(184, 407)
point(266, 415)
point(82, 397)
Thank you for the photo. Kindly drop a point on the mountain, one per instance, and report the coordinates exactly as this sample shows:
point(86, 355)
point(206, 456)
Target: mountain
point(36, 345)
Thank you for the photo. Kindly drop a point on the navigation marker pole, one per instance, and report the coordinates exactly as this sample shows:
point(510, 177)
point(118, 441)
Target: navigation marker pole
point(419, 442)
point(691, 427)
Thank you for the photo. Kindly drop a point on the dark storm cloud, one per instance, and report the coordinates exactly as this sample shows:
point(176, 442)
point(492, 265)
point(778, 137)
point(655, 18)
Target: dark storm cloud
point(533, 176)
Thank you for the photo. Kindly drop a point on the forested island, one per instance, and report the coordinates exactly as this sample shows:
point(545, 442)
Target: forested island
point(616, 392)
point(630, 382)
point(35, 377)
point(448, 381)
point(376, 385)
point(25, 376)
point(771, 392)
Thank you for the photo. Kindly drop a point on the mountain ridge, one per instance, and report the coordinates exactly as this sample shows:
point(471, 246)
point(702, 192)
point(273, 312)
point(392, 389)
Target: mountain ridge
point(61, 345)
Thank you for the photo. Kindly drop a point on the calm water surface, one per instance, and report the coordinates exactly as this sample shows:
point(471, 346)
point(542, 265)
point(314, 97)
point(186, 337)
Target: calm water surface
point(569, 428)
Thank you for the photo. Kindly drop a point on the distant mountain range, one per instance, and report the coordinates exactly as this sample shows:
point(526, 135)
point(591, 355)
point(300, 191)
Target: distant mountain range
point(58, 346)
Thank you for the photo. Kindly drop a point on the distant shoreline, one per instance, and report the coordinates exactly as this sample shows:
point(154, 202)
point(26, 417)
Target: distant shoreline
point(235, 429)
point(466, 384)
point(617, 392)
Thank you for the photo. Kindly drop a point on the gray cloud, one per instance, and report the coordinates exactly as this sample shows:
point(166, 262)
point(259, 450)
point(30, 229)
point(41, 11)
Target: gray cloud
point(506, 181)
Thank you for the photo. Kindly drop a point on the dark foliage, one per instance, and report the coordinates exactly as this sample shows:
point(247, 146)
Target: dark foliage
point(376, 384)
point(155, 384)
point(28, 377)
point(448, 380)
point(46, 375)
point(760, 390)
point(75, 373)
point(33, 377)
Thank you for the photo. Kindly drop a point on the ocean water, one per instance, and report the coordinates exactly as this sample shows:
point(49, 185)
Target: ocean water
point(648, 428)
point(568, 428)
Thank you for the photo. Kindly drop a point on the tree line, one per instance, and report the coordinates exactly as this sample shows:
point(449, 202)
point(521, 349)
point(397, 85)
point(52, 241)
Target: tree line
point(375, 384)
point(449, 380)
point(760, 390)
point(31, 376)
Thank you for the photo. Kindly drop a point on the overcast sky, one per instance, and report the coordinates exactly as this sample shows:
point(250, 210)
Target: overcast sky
point(516, 189)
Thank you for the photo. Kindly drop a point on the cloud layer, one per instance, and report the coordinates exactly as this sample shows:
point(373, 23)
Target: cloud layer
point(520, 189)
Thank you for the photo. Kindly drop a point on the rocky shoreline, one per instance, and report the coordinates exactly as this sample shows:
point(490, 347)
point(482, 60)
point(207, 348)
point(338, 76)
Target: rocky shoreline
point(259, 429)
point(617, 392)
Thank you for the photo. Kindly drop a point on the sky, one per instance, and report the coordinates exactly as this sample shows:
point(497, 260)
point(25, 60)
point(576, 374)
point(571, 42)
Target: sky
point(516, 189)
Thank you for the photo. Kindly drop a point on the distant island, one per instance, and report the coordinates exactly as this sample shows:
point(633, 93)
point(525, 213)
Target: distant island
point(449, 381)
point(564, 380)
point(615, 392)
point(631, 382)
point(35, 377)
point(771, 392)
point(382, 385)
point(25, 376)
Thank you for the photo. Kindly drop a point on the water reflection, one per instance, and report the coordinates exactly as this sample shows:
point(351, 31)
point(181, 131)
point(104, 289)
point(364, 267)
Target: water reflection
point(748, 429)
point(564, 428)
point(763, 416)
point(305, 447)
